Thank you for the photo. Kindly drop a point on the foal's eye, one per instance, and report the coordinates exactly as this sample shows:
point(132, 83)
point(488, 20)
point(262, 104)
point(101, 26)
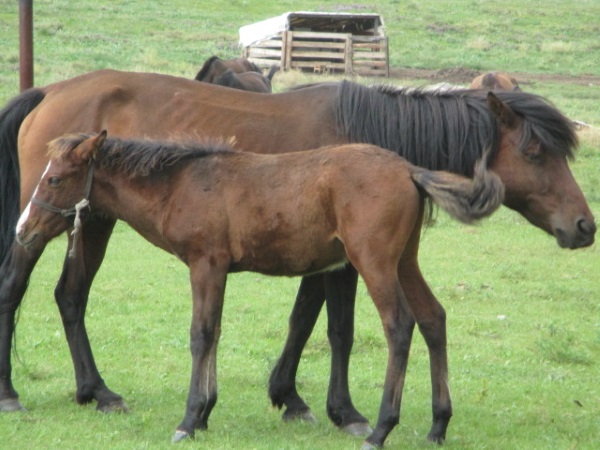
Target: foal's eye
point(54, 181)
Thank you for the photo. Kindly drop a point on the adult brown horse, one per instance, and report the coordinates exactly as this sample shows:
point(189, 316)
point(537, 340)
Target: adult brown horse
point(214, 67)
point(357, 204)
point(247, 81)
point(529, 141)
point(495, 81)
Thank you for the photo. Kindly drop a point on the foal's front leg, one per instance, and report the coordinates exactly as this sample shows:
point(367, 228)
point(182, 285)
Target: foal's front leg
point(208, 287)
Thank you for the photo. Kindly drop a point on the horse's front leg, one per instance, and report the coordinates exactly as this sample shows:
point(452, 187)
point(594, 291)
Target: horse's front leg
point(208, 287)
point(282, 382)
point(340, 293)
point(14, 274)
point(71, 296)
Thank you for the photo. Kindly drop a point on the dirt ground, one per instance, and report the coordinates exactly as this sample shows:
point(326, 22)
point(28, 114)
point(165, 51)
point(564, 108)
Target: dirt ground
point(464, 76)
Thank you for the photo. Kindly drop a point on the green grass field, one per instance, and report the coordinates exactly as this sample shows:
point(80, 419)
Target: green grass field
point(523, 315)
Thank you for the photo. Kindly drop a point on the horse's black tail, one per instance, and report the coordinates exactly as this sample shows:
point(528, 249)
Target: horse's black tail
point(274, 68)
point(463, 198)
point(11, 118)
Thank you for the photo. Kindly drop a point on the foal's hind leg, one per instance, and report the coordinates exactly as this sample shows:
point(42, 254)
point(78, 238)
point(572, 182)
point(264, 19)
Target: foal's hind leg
point(14, 274)
point(72, 296)
point(431, 319)
point(398, 324)
point(282, 382)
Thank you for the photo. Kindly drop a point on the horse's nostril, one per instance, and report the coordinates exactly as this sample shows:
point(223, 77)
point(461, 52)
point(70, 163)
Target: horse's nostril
point(586, 226)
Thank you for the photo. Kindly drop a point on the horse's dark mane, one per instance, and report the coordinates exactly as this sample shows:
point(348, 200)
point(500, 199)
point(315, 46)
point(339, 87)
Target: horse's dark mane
point(135, 158)
point(445, 130)
point(205, 68)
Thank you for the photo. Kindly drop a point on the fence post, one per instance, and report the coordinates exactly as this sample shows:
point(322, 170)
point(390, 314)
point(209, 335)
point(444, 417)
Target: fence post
point(26, 43)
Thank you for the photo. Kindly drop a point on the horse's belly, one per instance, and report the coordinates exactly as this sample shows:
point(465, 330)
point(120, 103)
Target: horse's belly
point(303, 259)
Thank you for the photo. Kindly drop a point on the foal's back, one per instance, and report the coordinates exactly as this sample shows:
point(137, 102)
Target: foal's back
point(295, 213)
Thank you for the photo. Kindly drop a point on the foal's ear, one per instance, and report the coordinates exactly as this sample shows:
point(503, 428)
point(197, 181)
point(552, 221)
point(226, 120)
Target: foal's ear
point(86, 151)
point(501, 110)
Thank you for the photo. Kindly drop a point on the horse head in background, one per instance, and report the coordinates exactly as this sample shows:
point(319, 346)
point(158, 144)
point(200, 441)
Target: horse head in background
point(237, 73)
point(495, 81)
point(247, 81)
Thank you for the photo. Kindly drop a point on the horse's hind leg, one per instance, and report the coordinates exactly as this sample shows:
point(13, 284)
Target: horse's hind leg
point(72, 296)
point(340, 292)
point(431, 318)
point(282, 382)
point(14, 274)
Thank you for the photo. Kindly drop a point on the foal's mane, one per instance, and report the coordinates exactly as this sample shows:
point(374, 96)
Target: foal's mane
point(135, 158)
point(445, 129)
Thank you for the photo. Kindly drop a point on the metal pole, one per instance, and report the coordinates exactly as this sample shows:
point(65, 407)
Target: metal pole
point(26, 43)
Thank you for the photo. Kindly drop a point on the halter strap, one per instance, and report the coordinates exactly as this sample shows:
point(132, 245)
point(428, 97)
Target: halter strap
point(73, 210)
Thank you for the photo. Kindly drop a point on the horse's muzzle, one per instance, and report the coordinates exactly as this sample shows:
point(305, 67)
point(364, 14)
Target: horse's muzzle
point(582, 236)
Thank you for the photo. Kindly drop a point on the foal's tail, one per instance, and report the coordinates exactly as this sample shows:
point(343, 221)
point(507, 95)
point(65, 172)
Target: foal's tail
point(463, 198)
point(11, 118)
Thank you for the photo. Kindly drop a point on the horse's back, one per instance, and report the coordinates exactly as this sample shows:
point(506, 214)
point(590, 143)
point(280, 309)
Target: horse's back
point(164, 107)
point(149, 105)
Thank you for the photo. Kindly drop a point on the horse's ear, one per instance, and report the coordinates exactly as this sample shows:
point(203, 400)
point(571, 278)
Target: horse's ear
point(86, 151)
point(501, 110)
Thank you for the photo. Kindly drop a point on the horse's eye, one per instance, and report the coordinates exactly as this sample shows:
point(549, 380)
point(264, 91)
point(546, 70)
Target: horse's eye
point(534, 153)
point(54, 181)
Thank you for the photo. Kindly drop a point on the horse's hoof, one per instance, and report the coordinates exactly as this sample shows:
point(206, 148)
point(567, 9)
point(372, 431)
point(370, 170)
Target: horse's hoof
point(304, 415)
point(11, 405)
point(358, 429)
point(436, 439)
point(179, 436)
point(113, 407)
point(368, 446)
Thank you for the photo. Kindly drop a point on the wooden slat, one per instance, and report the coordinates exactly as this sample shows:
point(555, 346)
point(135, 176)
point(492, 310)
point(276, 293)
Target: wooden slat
point(264, 52)
point(317, 35)
point(310, 44)
point(320, 55)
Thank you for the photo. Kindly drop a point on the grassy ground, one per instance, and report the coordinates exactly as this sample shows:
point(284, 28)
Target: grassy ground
point(523, 315)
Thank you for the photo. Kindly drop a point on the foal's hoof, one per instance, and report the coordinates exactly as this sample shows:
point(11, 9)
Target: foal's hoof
point(358, 429)
point(180, 436)
point(304, 415)
point(11, 405)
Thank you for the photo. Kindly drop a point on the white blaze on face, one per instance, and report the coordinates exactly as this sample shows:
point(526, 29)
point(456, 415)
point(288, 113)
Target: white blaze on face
point(26, 211)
